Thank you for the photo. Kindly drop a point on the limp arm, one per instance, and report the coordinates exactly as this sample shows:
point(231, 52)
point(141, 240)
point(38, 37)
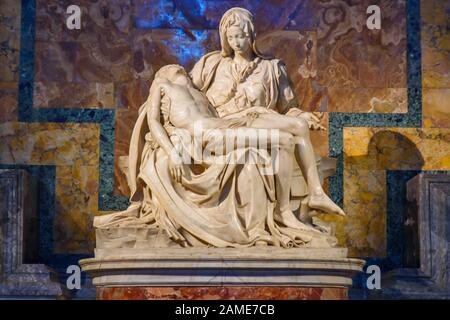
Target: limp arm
point(161, 136)
point(153, 116)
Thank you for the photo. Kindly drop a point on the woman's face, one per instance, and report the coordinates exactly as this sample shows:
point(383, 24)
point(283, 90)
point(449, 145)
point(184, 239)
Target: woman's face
point(238, 40)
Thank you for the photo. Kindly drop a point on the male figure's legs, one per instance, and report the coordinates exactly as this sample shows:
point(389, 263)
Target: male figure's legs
point(304, 155)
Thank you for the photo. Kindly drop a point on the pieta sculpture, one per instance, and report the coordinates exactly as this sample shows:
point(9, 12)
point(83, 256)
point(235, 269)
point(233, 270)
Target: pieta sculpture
point(222, 157)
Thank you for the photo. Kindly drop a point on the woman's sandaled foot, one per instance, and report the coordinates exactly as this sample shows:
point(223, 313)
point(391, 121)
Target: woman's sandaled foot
point(324, 203)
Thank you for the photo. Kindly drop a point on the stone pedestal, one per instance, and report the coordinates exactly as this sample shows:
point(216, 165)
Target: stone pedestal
point(20, 274)
point(222, 273)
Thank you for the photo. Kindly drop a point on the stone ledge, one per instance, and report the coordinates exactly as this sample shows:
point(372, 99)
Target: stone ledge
point(266, 266)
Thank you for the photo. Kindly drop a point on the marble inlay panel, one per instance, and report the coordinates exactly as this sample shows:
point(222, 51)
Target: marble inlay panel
point(49, 143)
point(110, 19)
point(436, 107)
point(9, 58)
point(363, 70)
point(8, 101)
point(9, 40)
point(66, 95)
point(373, 100)
point(435, 43)
point(80, 62)
point(221, 293)
point(76, 203)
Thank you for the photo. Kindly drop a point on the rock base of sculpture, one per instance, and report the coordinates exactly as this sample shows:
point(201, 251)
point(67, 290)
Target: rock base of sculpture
point(132, 237)
point(266, 272)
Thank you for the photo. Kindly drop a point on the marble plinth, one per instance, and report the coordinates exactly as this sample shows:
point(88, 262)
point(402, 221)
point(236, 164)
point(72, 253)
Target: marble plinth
point(221, 268)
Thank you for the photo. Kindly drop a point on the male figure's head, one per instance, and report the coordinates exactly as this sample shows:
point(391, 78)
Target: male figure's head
point(173, 73)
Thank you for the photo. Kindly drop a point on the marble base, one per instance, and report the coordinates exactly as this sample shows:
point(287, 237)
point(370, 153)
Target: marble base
point(275, 271)
point(221, 293)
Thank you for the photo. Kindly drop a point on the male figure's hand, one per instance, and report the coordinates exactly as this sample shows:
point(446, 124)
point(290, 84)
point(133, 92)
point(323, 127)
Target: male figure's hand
point(176, 166)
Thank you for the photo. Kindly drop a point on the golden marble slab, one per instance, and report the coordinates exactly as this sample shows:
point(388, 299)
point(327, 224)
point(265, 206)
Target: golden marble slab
point(436, 107)
point(49, 143)
point(435, 44)
point(76, 203)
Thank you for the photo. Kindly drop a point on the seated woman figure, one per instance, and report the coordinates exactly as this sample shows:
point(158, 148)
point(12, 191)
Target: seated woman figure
point(241, 77)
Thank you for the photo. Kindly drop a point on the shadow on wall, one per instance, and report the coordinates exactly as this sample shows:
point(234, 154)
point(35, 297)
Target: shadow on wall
point(388, 150)
point(393, 151)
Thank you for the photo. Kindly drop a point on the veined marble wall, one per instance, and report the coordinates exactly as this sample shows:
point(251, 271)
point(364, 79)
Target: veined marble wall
point(69, 98)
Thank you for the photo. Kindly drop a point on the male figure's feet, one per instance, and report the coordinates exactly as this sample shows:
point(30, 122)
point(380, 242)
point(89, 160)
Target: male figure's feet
point(321, 201)
point(288, 218)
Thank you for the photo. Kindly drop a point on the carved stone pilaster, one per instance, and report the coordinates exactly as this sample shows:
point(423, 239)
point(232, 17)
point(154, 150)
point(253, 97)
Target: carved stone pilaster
point(20, 274)
point(427, 229)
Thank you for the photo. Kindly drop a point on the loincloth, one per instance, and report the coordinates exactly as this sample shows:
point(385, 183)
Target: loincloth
point(244, 121)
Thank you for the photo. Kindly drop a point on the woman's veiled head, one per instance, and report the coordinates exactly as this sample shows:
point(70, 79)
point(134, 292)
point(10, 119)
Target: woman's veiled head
point(233, 21)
